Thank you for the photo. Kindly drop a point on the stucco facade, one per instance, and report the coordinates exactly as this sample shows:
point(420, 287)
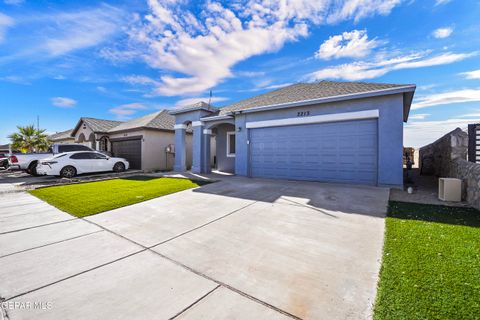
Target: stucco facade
point(381, 113)
point(154, 142)
point(149, 151)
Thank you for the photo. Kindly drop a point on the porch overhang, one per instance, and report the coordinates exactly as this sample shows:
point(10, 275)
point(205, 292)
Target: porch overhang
point(217, 118)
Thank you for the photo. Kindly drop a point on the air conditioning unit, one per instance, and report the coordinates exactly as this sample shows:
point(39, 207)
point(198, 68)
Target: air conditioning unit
point(450, 189)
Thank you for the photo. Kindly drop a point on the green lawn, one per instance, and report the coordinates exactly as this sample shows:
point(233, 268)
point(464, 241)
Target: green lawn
point(85, 199)
point(431, 263)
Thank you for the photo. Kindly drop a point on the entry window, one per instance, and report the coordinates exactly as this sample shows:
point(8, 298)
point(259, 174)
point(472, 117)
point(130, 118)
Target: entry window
point(231, 144)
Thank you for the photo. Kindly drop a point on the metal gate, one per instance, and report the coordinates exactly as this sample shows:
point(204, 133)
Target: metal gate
point(474, 142)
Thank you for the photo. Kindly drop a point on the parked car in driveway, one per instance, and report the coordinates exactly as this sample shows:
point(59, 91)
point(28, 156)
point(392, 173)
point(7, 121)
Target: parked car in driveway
point(69, 164)
point(28, 161)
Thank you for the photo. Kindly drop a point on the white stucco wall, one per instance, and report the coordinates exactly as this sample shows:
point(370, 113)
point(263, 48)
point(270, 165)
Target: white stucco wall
point(154, 143)
point(86, 132)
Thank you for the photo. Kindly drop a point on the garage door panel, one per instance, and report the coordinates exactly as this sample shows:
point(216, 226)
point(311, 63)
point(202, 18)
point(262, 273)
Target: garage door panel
point(339, 152)
point(130, 150)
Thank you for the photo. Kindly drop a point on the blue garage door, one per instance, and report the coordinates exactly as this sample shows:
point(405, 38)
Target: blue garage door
point(335, 152)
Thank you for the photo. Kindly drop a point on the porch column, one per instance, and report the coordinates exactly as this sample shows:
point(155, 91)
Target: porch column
point(197, 154)
point(207, 134)
point(180, 148)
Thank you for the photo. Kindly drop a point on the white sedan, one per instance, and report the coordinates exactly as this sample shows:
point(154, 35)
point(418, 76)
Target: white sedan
point(69, 164)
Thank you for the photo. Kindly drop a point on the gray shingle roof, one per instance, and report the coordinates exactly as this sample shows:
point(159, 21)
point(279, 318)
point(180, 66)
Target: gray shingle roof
point(100, 125)
point(160, 120)
point(61, 135)
point(201, 105)
point(307, 91)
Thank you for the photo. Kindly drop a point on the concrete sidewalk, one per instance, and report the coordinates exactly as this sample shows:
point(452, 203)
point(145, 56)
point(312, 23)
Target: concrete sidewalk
point(236, 249)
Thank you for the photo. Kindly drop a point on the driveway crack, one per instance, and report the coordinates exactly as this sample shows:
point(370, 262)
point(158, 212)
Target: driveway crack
point(203, 225)
point(195, 302)
point(244, 294)
point(49, 244)
point(76, 274)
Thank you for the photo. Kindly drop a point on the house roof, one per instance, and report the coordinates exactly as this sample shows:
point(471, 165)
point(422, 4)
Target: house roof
point(61, 135)
point(201, 105)
point(160, 120)
point(97, 125)
point(309, 91)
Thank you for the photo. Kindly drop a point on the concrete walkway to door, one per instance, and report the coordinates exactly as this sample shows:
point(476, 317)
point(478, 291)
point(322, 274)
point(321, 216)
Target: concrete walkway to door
point(235, 249)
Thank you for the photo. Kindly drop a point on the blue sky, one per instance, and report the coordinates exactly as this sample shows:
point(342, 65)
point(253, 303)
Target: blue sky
point(62, 60)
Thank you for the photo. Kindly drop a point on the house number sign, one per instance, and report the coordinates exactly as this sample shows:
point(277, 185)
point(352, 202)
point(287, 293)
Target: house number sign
point(303, 113)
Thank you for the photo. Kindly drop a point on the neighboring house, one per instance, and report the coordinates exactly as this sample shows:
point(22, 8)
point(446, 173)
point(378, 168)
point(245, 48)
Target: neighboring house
point(93, 132)
point(142, 141)
point(62, 137)
point(350, 132)
point(4, 148)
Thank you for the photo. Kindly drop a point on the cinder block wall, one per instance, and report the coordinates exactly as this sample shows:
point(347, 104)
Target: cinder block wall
point(447, 157)
point(436, 158)
point(469, 172)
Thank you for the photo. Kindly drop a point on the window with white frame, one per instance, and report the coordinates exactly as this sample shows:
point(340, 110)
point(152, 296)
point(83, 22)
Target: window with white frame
point(231, 144)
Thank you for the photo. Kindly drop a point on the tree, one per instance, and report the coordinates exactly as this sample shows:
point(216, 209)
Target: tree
point(29, 139)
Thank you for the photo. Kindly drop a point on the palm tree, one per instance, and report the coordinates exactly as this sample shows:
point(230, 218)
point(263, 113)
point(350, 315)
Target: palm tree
point(29, 139)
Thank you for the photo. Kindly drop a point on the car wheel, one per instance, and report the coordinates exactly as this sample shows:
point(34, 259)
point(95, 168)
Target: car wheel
point(32, 169)
point(119, 167)
point(5, 164)
point(68, 172)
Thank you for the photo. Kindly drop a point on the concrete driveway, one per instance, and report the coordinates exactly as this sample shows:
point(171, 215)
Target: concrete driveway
point(236, 249)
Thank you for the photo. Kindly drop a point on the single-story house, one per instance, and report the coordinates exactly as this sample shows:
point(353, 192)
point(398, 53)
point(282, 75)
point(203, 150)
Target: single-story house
point(348, 132)
point(146, 142)
point(93, 132)
point(62, 137)
point(4, 148)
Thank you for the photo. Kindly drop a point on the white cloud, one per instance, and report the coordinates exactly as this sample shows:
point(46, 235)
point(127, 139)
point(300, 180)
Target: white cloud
point(458, 96)
point(474, 74)
point(379, 67)
point(441, 33)
point(15, 79)
point(140, 80)
point(78, 30)
point(354, 44)
point(250, 74)
point(14, 2)
point(440, 2)
point(190, 101)
point(426, 87)
point(418, 116)
point(471, 115)
point(278, 86)
point(200, 50)
point(358, 9)
point(124, 111)
point(420, 133)
point(5, 23)
point(63, 102)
